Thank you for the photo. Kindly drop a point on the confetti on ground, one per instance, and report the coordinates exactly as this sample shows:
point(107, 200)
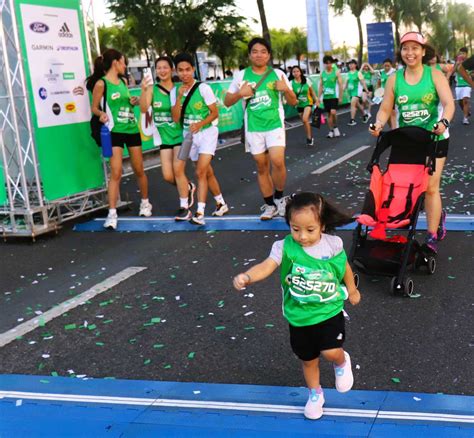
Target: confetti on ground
point(416, 398)
point(220, 327)
point(191, 355)
point(146, 361)
point(395, 380)
point(158, 345)
point(18, 403)
point(70, 326)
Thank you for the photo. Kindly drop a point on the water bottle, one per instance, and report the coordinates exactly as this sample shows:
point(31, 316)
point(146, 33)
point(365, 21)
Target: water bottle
point(185, 148)
point(106, 141)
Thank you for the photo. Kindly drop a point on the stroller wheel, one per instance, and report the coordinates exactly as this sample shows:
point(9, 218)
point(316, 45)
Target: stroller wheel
point(395, 288)
point(431, 263)
point(408, 287)
point(356, 279)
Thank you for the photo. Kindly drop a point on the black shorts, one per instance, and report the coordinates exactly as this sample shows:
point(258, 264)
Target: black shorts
point(331, 104)
point(168, 146)
point(130, 140)
point(442, 149)
point(308, 342)
point(301, 109)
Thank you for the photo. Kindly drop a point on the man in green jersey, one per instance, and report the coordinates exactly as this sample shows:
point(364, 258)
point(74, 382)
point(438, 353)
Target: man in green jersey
point(463, 89)
point(264, 122)
point(330, 90)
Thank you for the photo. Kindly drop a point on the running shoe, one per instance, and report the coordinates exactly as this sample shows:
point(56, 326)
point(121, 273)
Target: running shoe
point(441, 234)
point(310, 142)
point(183, 214)
point(269, 212)
point(366, 118)
point(344, 376)
point(145, 209)
point(336, 132)
point(221, 210)
point(192, 190)
point(465, 121)
point(352, 122)
point(330, 134)
point(198, 219)
point(313, 409)
point(111, 221)
point(431, 242)
point(281, 205)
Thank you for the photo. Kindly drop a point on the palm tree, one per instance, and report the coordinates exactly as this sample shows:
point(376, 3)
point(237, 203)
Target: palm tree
point(356, 7)
point(263, 19)
point(282, 47)
point(419, 12)
point(299, 43)
point(394, 10)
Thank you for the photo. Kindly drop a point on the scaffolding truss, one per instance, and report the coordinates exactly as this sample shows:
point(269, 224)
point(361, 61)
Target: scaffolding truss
point(26, 212)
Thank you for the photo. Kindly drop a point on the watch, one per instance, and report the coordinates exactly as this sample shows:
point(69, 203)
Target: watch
point(445, 122)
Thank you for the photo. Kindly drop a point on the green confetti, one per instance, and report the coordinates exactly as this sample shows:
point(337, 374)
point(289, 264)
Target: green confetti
point(42, 323)
point(41, 366)
point(147, 324)
point(107, 321)
point(395, 380)
point(99, 344)
point(451, 277)
point(173, 276)
point(158, 345)
point(54, 374)
point(167, 367)
point(132, 341)
point(220, 327)
point(250, 327)
point(44, 381)
point(191, 355)
point(146, 361)
point(128, 307)
point(220, 303)
point(92, 327)
point(157, 298)
point(70, 326)
point(152, 282)
point(109, 378)
point(269, 325)
point(183, 305)
point(155, 320)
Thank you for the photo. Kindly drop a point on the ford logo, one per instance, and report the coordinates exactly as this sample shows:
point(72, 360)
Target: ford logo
point(39, 27)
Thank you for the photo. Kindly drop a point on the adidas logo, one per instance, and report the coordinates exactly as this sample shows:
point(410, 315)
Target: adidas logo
point(64, 31)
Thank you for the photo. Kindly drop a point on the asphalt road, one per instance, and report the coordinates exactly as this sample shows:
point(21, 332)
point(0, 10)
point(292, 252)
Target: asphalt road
point(203, 329)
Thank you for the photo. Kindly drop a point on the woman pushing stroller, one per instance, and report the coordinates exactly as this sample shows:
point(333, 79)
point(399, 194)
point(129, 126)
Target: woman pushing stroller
point(422, 97)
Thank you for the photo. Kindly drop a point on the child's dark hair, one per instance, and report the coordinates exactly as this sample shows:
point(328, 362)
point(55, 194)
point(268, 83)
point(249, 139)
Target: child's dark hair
point(387, 60)
point(102, 65)
point(183, 57)
point(303, 76)
point(259, 40)
point(329, 216)
point(328, 58)
point(166, 59)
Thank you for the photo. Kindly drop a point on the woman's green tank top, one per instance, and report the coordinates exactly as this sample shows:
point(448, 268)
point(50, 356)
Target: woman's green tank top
point(170, 132)
point(118, 101)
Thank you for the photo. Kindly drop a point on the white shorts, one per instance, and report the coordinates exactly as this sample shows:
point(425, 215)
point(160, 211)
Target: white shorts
point(462, 92)
point(204, 142)
point(259, 142)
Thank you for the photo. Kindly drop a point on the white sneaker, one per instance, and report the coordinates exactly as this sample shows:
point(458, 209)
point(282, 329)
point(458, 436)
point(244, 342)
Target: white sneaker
point(330, 134)
point(336, 132)
point(344, 376)
point(111, 221)
point(145, 209)
point(198, 219)
point(281, 206)
point(269, 212)
point(313, 409)
point(465, 121)
point(221, 210)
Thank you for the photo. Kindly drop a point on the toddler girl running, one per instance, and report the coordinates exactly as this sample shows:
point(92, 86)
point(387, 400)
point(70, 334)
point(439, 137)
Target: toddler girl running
point(316, 279)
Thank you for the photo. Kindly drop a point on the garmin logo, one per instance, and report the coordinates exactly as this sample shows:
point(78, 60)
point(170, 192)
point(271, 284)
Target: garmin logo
point(39, 27)
point(46, 47)
point(65, 32)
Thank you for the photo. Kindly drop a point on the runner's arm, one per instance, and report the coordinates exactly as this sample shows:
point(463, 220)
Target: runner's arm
point(354, 294)
point(146, 96)
point(176, 104)
point(339, 80)
point(97, 96)
point(386, 107)
point(213, 114)
point(445, 97)
point(255, 273)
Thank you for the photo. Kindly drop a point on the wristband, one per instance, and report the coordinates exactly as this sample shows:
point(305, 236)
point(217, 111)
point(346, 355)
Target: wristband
point(445, 122)
point(248, 276)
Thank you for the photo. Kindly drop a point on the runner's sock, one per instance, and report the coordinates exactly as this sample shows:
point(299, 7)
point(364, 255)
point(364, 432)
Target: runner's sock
point(269, 200)
point(278, 194)
point(201, 207)
point(112, 211)
point(219, 199)
point(183, 202)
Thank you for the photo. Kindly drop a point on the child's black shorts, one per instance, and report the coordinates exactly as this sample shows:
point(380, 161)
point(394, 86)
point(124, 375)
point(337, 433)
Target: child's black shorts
point(307, 342)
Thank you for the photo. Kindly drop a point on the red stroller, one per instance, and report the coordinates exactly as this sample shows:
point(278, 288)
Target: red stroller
point(394, 202)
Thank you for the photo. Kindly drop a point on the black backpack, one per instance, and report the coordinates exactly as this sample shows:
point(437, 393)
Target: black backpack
point(96, 124)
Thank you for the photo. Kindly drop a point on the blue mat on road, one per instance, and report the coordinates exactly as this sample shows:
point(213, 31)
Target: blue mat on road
point(236, 223)
point(45, 406)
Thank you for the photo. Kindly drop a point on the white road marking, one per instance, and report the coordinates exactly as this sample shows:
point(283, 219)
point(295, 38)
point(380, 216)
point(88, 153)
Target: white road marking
point(339, 160)
point(103, 286)
point(236, 406)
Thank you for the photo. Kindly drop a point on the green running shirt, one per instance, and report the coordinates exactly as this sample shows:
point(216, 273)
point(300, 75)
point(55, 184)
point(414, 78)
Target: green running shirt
point(354, 85)
point(312, 289)
point(329, 80)
point(170, 132)
point(303, 93)
point(118, 101)
point(417, 105)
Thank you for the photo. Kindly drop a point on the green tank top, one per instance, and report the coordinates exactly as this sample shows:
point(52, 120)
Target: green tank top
point(384, 77)
point(367, 77)
point(460, 81)
point(417, 105)
point(312, 290)
point(118, 101)
point(329, 84)
point(263, 109)
point(353, 82)
point(303, 94)
point(170, 132)
point(196, 110)
point(438, 67)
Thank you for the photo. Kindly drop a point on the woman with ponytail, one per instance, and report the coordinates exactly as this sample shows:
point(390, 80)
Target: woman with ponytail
point(118, 116)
